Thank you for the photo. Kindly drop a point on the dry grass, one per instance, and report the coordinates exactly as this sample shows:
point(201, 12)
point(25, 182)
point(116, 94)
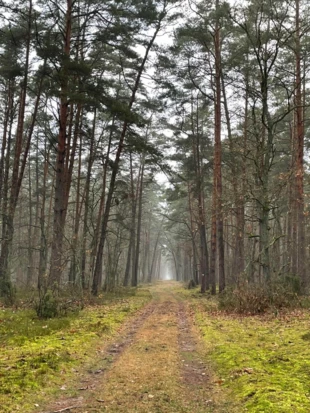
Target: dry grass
point(145, 379)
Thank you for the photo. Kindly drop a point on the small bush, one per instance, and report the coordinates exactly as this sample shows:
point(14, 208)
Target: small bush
point(255, 299)
point(51, 304)
point(191, 284)
point(8, 292)
point(292, 283)
point(47, 306)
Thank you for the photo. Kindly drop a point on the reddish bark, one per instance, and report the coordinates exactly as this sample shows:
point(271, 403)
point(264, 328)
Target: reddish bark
point(217, 231)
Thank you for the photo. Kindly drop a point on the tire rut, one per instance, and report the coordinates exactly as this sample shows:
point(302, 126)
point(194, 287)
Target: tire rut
point(194, 370)
point(92, 379)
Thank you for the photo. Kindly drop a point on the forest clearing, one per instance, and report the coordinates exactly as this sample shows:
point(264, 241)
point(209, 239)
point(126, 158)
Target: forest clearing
point(164, 349)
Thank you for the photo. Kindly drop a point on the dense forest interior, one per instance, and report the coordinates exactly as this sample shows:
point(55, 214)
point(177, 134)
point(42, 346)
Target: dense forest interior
point(145, 139)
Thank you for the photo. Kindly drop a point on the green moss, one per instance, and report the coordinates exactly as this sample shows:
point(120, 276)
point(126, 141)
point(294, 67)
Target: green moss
point(37, 355)
point(264, 361)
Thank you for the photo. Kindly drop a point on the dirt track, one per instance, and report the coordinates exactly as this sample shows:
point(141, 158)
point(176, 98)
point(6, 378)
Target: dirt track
point(155, 365)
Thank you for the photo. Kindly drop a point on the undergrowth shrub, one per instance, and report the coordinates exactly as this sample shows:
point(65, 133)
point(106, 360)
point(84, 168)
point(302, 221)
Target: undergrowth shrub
point(47, 305)
point(191, 284)
point(8, 292)
point(250, 298)
point(50, 305)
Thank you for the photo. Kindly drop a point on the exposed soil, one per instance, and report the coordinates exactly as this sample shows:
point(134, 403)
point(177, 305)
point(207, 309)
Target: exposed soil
point(197, 376)
point(155, 365)
point(194, 372)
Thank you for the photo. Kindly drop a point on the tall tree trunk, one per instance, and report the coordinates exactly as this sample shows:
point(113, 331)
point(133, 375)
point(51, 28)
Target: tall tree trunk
point(146, 254)
point(30, 245)
point(264, 202)
point(196, 144)
point(77, 129)
point(61, 187)
point(213, 238)
point(86, 202)
point(4, 182)
point(158, 267)
point(4, 276)
point(131, 247)
point(101, 210)
point(135, 275)
point(43, 237)
point(292, 209)
point(195, 275)
point(301, 250)
point(6, 124)
point(218, 155)
point(204, 257)
point(238, 190)
point(153, 266)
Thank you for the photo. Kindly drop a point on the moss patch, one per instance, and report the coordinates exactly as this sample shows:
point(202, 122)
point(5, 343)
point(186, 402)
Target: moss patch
point(263, 360)
point(37, 356)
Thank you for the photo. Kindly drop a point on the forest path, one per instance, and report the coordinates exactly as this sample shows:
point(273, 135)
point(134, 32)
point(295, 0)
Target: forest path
point(156, 366)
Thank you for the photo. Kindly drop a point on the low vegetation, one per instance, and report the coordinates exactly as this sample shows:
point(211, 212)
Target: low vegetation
point(37, 355)
point(264, 360)
point(250, 298)
point(260, 361)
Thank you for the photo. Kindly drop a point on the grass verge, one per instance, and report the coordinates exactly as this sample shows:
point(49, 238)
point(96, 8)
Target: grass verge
point(37, 356)
point(264, 361)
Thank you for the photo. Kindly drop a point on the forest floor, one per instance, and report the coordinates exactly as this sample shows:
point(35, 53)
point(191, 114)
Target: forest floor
point(157, 364)
point(170, 350)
